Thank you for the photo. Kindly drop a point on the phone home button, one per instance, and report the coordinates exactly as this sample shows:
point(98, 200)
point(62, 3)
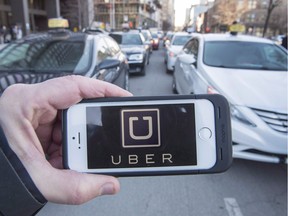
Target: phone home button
point(205, 133)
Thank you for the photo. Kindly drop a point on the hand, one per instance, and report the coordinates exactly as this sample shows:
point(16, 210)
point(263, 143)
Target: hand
point(31, 119)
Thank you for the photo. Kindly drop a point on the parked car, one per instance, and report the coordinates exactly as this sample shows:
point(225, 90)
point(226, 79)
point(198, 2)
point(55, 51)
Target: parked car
point(156, 41)
point(42, 56)
point(133, 44)
point(251, 73)
point(174, 47)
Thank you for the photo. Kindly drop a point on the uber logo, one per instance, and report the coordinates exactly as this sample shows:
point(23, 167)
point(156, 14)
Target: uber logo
point(140, 128)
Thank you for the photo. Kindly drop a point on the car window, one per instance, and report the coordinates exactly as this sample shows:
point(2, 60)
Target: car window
point(244, 55)
point(154, 36)
point(188, 47)
point(114, 47)
point(192, 47)
point(44, 55)
point(180, 40)
point(103, 50)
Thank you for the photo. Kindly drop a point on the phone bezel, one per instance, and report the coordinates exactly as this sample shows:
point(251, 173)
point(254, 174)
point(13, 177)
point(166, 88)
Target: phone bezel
point(76, 124)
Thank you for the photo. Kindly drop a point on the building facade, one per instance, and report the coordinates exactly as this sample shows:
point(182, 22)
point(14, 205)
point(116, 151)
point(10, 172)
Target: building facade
point(135, 13)
point(33, 15)
point(29, 15)
point(251, 13)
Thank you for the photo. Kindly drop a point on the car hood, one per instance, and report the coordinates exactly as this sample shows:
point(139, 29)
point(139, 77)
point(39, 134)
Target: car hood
point(10, 78)
point(132, 48)
point(258, 89)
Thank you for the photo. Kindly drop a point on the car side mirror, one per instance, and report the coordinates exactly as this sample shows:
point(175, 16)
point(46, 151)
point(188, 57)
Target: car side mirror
point(188, 59)
point(107, 64)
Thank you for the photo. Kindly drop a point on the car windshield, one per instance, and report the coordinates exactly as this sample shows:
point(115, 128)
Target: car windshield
point(180, 40)
point(154, 36)
point(47, 55)
point(244, 55)
point(128, 39)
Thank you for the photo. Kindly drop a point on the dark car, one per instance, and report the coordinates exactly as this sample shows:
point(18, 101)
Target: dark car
point(56, 53)
point(137, 50)
point(148, 38)
point(156, 41)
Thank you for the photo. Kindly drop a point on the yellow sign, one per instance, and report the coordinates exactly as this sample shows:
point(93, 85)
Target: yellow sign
point(237, 28)
point(58, 23)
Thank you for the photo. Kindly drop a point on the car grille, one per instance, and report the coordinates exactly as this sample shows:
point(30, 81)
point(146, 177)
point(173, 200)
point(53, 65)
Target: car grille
point(277, 121)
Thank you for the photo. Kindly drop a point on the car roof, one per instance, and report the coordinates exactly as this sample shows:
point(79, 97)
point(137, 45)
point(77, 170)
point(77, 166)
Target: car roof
point(128, 32)
point(229, 37)
point(181, 33)
point(64, 35)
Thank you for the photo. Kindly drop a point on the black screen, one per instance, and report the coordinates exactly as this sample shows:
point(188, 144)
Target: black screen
point(141, 136)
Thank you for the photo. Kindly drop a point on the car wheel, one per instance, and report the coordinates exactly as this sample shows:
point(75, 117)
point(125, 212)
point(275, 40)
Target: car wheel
point(143, 71)
point(169, 71)
point(174, 88)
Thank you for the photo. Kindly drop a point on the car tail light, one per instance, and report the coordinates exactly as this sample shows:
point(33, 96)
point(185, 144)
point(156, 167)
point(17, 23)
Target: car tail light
point(171, 54)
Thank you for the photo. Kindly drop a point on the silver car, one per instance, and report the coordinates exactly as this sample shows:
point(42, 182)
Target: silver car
point(174, 47)
point(251, 73)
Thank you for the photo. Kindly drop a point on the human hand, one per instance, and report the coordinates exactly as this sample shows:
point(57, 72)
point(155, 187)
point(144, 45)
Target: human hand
point(31, 119)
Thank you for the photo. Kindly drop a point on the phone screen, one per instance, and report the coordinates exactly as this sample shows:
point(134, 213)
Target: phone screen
point(141, 136)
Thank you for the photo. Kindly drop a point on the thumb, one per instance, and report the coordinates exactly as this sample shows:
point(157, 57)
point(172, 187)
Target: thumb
point(71, 187)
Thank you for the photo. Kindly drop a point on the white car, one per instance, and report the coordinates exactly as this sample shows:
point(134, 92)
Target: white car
point(251, 73)
point(174, 47)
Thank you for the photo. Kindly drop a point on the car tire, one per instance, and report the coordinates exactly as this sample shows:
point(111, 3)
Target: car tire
point(174, 88)
point(143, 70)
point(169, 71)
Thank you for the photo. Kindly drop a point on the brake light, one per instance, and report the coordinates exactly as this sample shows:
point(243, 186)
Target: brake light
point(171, 54)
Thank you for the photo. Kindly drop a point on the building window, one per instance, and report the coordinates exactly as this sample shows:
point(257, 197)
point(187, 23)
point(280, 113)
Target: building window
point(37, 4)
point(4, 2)
point(252, 4)
point(250, 17)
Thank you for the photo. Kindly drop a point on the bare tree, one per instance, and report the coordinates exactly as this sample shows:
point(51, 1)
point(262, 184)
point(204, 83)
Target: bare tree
point(272, 4)
point(229, 11)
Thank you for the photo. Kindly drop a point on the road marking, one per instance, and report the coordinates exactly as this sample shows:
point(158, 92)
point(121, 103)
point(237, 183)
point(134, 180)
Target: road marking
point(232, 207)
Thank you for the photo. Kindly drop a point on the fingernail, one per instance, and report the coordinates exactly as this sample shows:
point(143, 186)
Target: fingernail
point(107, 189)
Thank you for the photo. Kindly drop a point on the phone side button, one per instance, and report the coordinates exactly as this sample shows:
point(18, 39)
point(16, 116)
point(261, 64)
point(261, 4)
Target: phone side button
point(205, 133)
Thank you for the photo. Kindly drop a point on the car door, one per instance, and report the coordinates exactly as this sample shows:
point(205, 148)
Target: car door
point(121, 77)
point(199, 83)
point(183, 69)
point(198, 73)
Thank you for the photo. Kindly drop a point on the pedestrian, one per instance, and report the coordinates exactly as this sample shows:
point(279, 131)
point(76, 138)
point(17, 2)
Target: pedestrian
point(30, 145)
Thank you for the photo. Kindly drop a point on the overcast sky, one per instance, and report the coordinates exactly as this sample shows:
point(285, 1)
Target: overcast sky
point(180, 10)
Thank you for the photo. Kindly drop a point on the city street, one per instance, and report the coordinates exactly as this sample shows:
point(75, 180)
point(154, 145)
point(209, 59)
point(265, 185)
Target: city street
point(247, 188)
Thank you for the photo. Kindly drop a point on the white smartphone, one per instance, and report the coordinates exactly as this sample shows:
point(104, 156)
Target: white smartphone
point(147, 135)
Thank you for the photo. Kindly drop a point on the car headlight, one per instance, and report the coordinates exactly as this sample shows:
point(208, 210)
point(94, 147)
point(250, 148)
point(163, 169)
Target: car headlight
point(238, 115)
point(136, 57)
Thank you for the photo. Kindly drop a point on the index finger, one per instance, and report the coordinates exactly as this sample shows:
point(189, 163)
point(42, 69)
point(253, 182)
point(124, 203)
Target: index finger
point(65, 91)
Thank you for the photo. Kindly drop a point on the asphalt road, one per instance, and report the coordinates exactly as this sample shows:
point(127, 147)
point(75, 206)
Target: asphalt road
point(247, 188)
